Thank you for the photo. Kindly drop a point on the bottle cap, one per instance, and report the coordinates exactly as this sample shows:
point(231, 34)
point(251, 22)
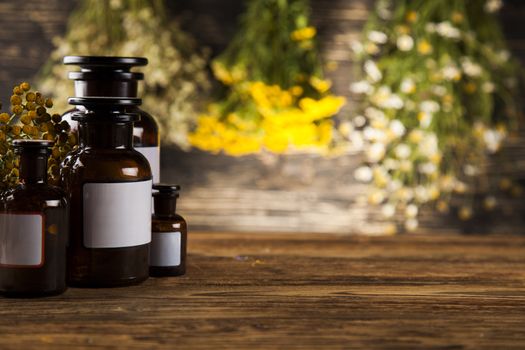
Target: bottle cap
point(105, 62)
point(105, 67)
point(104, 102)
point(166, 190)
point(105, 109)
point(38, 146)
point(105, 75)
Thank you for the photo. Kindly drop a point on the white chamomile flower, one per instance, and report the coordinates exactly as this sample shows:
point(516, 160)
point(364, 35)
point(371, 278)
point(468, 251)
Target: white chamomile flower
point(470, 170)
point(377, 37)
point(488, 87)
point(470, 68)
point(451, 72)
point(429, 106)
point(447, 30)
point(425, 119)
point(428, 147)
point(397, 128)
point(411, 211)
point(374, 135)
point(373, 71)
point(402, 151)
point(363, 174)
point(492, 6)
point(405, 42)
point(427, 168)
point(359, 121)
point(375, 152)
point(388, 210)
point(492, 139)
point(407, 86)
point(361, 87)
point(421, 194)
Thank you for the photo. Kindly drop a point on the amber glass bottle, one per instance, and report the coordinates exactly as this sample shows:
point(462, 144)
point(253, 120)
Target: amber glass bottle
point(111, 77)
point(33, 228)
point(110, 187)
point(169, 233)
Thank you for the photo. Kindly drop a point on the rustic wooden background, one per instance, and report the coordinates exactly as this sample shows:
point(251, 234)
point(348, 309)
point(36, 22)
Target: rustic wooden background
point(292, 193)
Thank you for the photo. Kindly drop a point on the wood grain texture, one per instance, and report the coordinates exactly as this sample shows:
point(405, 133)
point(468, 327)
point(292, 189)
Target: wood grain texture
point(282, 291)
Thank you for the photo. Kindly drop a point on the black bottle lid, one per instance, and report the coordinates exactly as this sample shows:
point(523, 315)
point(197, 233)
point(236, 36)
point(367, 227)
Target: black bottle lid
point(105, 62)
point(105, 67)
point(113, 108)
point(104, 102)
point(166, 190)
point(105, 75)
point(35, 146)
point(165, 199)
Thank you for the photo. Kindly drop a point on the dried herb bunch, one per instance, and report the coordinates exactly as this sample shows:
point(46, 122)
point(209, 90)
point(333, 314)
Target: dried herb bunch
point(176, 76)
point(440, 95)
point(30, 119)
point(274, 97)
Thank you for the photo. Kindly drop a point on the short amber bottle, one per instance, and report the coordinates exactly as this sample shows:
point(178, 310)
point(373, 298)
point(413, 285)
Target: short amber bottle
point(110, 187)
point(169, 233)
point(33, 228)
point(105, 76)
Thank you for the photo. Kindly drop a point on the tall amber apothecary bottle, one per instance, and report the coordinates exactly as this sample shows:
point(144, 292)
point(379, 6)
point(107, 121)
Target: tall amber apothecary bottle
point(33, 228)
point(102, 76)
point(110, 185)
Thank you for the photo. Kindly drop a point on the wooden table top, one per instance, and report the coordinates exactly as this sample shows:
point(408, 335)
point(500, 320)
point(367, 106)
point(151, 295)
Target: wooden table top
point(276, 291)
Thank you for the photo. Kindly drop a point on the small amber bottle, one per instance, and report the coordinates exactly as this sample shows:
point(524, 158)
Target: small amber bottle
point(169, 233)
point(107, 76)
point(110, 186)
point(33, 228)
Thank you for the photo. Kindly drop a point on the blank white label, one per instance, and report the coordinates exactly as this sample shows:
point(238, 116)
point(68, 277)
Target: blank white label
point(21, 239)
point(117, 215)
point(152, 154)
point(165, 249)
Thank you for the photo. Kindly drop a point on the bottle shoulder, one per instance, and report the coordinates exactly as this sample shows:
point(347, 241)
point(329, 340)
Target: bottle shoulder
point(175, 223)
point(117, 164)
point(146, 119)
point(34, 197)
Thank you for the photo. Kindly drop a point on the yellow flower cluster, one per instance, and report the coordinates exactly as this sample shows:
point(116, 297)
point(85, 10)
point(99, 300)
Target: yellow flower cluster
point(302, 34)
point(30, 120)
point(279, 121)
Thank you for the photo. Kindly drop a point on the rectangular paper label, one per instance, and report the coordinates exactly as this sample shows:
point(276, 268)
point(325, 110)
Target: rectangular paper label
point(165, 249)
point(117, 215)
point(21, 240)
point(152, 154)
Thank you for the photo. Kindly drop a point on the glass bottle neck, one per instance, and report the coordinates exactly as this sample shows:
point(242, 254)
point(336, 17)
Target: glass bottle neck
point(105, 134)
point(33, 168)
point(113, 88)
point(164, 206)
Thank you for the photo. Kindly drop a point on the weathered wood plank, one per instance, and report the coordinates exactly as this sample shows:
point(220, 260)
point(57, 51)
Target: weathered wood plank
point(280, 291)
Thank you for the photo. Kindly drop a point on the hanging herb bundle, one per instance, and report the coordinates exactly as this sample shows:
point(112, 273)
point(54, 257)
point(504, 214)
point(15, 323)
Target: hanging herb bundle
point(275, 97)
point(439, 95)
point(176, 77)
point(30, 119)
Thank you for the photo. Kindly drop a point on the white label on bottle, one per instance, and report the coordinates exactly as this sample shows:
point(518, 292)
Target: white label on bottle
point(21, 240)
point(117, 215)
point(152, 154)
point(165, 249)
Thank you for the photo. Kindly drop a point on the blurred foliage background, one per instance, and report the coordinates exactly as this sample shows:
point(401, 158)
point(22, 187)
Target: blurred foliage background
point(215, 75)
